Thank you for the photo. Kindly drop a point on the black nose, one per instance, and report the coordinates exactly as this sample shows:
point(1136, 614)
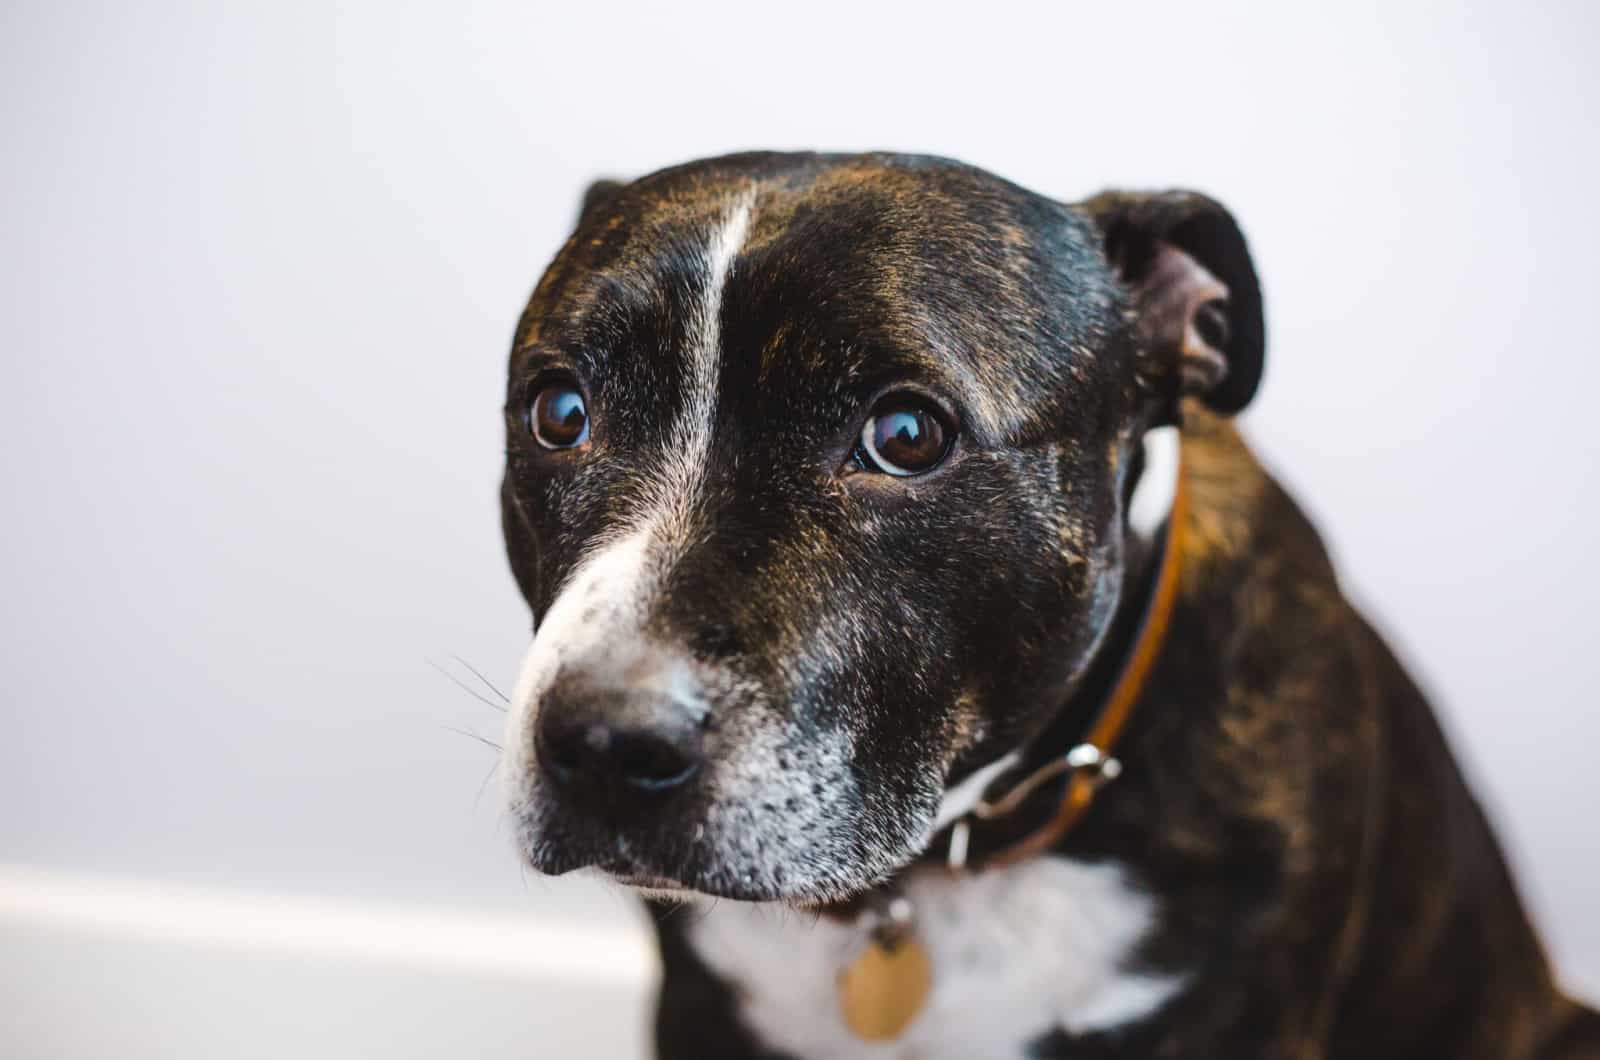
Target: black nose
point(617, 740)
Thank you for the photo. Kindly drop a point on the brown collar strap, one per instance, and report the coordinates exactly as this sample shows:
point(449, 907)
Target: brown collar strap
point(1090, 763)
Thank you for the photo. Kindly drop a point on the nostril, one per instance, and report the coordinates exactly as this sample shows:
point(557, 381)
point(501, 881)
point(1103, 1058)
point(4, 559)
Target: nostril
point(603, 754)
point(651, 763)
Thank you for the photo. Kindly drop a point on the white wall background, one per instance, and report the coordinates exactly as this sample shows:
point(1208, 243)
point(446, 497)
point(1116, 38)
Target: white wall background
point(259, 266)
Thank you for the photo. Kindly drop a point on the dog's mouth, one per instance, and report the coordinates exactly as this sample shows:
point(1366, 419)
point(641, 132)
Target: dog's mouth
point(652, 886)
point(811, 877)
point(687, 883)
point(646, 882)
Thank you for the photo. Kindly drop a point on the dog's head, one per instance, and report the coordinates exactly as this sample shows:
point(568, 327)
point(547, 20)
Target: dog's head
point(816, 483)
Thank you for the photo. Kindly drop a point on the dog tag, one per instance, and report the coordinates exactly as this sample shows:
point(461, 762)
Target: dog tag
point(884, 988)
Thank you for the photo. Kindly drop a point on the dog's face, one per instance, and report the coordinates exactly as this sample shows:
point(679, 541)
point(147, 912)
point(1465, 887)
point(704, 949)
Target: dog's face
point(815, 483)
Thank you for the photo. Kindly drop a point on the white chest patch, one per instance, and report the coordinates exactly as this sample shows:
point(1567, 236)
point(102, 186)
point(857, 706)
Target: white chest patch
point(1016, 954)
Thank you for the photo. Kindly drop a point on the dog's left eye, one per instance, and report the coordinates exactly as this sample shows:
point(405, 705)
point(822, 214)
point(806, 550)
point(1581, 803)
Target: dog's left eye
point(558, 418)
point(904, 436)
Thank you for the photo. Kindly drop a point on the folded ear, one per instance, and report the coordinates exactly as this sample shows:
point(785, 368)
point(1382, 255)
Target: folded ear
point(597, 193)
point(1194, 288)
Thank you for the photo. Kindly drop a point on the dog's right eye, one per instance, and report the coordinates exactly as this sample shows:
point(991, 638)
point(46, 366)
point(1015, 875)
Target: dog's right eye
point(904, 436)
point(558, 417)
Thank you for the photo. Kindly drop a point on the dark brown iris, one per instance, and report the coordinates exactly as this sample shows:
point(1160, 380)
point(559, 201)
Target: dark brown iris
point(559, 419)
point(904, 437)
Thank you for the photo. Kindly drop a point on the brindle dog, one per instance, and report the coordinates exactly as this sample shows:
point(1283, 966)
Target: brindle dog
point(819, 471)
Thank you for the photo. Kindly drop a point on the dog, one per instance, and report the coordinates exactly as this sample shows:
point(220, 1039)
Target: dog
point(900, 579)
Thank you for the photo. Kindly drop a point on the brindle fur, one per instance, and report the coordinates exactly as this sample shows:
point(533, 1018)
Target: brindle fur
point(1325, 877)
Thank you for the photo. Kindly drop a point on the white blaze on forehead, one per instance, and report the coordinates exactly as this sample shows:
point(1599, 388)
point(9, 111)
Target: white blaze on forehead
point(606, 598)
point(689, 445)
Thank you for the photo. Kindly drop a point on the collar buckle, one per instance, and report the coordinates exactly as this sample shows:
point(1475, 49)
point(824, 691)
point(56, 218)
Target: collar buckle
point(1086, 759)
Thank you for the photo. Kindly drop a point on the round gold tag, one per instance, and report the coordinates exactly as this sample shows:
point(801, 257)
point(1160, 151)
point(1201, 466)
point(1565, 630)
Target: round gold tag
point(881, 991)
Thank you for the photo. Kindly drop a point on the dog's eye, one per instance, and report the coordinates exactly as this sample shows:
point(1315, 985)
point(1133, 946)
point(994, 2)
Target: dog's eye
point(558, 417)
point(903, 436)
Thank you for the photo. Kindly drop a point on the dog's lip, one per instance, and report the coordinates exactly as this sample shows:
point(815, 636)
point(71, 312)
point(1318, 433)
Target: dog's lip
point(641, 879)
point(629, 876)
point(652, 885)
point(649, 884)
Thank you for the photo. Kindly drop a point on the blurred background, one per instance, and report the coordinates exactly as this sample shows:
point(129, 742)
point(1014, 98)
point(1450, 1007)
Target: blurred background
point(261, 264)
